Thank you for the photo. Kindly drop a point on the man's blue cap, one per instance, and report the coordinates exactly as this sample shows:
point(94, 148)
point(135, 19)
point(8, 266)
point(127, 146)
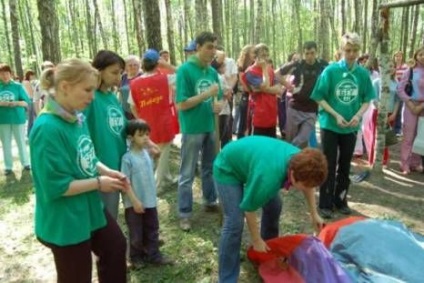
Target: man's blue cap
point(191, 47)
point(151, 55)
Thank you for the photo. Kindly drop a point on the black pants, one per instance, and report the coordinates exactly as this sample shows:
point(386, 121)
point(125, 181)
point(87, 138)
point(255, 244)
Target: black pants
point(243, 108)
point(338, 149)
point(269, 132)
point(144, 234)
point(225, 129)
point(74, 262)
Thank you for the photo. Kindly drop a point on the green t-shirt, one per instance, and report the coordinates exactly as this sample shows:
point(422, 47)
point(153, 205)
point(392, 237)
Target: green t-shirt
point(345, 91)
point(106, 122)
point(62, 152)
point(260, 163)
point(193, 79)
point(13, 91)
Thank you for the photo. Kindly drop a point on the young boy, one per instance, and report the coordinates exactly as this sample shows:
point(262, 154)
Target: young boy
point(142, 219)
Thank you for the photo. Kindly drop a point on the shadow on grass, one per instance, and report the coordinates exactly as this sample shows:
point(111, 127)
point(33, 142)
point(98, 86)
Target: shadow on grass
point(18, 191)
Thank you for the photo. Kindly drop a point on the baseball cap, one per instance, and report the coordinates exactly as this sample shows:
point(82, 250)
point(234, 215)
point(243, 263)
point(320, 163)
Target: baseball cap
point(151, 54)
point(191, 47)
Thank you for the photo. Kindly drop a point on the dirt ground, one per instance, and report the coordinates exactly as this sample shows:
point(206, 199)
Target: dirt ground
point(389, 195)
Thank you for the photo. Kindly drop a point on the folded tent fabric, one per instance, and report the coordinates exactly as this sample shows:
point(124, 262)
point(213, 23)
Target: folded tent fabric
point(380, 251)
point(307, 261)
point(329, 232)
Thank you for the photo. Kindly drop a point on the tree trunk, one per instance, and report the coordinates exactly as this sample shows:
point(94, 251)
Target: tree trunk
point(365, 29)
point(324, 30)
point(374, 30)
point(298, 25)
point(115, 36)
point(258, 21)
point(217, 19)
point(49, 24)
point(274, 32)
point(7, 32)
point(99, 21)
point(405, 25)
point(74, 33)
point(127, 34)
point(235, 30)
point(201, 9)
point(15, 39)
point(188, 34)
point(414, 31)
point(252, 22)
point(357, 27)
point(89, 29)
point(343, 13)
point(138, 25)
point(31, 32)
point(153, 31)
point(170, 31)
point(384, 91)
point(246, 38)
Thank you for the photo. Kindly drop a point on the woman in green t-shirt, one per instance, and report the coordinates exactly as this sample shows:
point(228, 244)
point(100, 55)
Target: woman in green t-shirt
point(343, 92)
point(70, 217)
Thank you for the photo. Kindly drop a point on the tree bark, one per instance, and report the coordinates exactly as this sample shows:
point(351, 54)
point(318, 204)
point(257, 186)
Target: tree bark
point(138, 25)
point(252, 22)
point(405, 26)
point(402, 3)
point(74, 29)
point(153, 31)
point(99, 21)
point(374, 30)
point(116, 44)
point(258, 21)
point(298, 25)
point(324, 30)
point(357, 27)
point(217, 19)
point(365, 29)
point(170, 31)
point(202, 20)
point(127, 34)
point(343, 14)
point(31, 32)
point(15, 38)
point(49, 24)
point(414, 31)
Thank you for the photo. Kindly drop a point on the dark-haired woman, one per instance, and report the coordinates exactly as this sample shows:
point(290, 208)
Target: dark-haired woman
point(106, 120)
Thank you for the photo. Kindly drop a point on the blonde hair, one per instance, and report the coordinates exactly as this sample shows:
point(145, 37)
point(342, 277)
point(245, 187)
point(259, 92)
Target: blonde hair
point(420, 49)
point(71, 70)
point(351, 38)
point(243, 60)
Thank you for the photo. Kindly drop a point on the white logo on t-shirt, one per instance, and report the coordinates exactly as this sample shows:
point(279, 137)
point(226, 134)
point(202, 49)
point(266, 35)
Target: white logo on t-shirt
point(7, 96)
point(346, 91)
point(115, 120)
point(86, 156)
point(202, 86)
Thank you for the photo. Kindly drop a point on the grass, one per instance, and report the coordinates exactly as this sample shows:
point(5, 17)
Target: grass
point(24, 259)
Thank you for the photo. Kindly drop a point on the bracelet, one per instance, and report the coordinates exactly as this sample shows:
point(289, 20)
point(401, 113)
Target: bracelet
point(99, 184)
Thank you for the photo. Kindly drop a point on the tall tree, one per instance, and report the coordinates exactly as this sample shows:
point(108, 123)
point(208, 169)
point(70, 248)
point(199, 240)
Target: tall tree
point(324, 30)
point(153, 31)
point(90, 30)
point(414, 30)
point(115, 35)
point(343, 14)
point(6, 34)
point(15, 38)
point(127, 35)
point(258, 21)
point(170, 31)
point(99, 22)
point(201, 9)
point(49, 23)
point(252, 22)
point(365, 29)
point(406, 26)
point(31, 33)
point(138, 25)
point(374, 30)
point(74, 32)
point(298, 25)
point(217, 19)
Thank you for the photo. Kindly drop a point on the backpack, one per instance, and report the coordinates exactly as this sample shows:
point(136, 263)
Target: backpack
point(408, 86)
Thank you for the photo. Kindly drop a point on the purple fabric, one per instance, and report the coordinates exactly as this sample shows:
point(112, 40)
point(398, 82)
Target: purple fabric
point(316, 264)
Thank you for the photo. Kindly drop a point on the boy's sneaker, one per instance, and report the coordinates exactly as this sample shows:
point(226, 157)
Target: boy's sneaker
point(185, 224)
point(344, 210)
point(8, 172)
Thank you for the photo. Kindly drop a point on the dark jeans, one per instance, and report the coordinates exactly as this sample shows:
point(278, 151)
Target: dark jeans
point(225, 129)
point(338, 149)
point(281, 103)
point(243, 108)
point(270, 220)
point(269, 132)
point(143, 234)
point(74, 262)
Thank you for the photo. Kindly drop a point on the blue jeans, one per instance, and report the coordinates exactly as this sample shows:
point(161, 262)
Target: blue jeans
point(18, 132)
point(191, 145)
point(230, 197)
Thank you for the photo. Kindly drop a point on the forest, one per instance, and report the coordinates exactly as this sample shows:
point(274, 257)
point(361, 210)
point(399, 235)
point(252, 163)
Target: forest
point(37, 30)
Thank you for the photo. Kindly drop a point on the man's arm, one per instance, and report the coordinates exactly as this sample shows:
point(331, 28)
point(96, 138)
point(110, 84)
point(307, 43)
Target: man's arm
point(197, 99)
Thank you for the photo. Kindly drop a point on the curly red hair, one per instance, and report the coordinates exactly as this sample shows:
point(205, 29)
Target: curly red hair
point(309, 167)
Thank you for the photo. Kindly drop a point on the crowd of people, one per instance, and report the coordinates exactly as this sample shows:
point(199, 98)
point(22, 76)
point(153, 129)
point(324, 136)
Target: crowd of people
point(105, 131)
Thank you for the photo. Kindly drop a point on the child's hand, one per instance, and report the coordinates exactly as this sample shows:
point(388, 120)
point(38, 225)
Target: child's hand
point(138, 207)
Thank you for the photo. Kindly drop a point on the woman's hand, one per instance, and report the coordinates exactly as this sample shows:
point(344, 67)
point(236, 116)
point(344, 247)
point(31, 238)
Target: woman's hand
point(260, 246)
point(391, 118)
point(317, 223)
point(110, 184)
point(138, 207)
point(341, 122)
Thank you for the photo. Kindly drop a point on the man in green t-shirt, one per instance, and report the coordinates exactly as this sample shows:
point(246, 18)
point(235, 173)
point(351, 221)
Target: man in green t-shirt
point(249, 173)
point(197, 92)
